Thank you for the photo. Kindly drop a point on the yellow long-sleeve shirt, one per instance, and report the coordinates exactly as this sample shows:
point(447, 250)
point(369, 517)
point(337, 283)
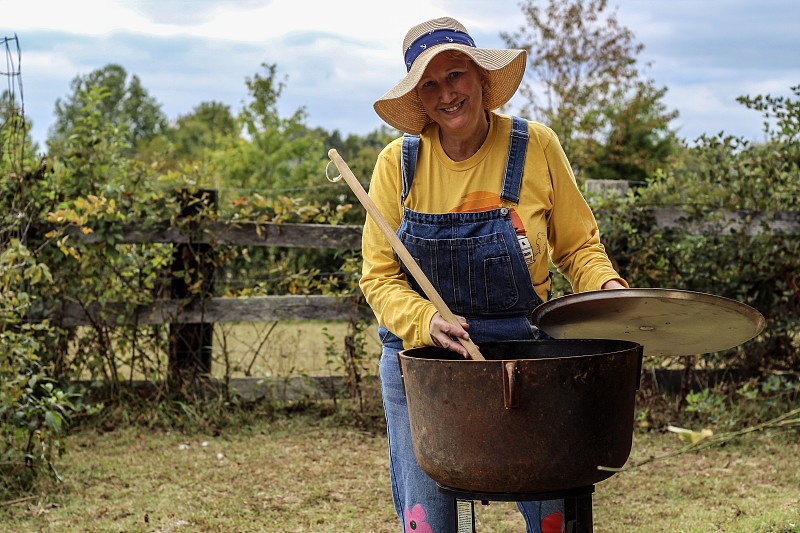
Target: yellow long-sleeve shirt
point(551, 212)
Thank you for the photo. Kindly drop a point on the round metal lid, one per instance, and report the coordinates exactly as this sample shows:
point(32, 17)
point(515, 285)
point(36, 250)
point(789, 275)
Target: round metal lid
point(663, 321)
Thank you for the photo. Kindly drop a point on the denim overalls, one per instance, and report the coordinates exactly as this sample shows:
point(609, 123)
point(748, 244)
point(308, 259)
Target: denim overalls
point(476, 264)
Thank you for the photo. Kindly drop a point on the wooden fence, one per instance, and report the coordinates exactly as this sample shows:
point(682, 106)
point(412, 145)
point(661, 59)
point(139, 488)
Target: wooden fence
point(191, 318)
point(311, 307)
point(213, 310)
point(194, 318)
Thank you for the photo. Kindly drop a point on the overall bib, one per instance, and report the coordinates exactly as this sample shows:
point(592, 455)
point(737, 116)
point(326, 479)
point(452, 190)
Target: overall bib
point(475, 262)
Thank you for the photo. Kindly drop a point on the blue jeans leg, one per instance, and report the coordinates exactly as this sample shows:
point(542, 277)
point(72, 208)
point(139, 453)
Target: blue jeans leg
point(420, 507)
point(545, 516)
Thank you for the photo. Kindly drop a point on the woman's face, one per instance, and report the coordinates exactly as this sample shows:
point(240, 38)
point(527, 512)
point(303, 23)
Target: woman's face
point(451, 92)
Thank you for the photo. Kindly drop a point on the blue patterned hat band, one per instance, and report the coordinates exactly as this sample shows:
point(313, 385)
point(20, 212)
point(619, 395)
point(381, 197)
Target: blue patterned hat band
point(432, 39)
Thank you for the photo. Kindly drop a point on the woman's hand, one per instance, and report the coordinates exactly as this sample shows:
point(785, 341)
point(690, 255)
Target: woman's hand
point(613, 284)
point(442, 333)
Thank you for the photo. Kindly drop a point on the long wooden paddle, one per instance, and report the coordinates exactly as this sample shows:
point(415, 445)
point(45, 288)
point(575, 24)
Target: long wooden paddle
point(400, 249)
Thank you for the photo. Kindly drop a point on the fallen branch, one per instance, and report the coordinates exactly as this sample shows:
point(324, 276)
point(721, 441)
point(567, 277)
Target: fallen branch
point(18, 500)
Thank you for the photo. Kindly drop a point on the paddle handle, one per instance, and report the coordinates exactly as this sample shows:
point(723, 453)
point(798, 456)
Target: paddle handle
point(400, 249)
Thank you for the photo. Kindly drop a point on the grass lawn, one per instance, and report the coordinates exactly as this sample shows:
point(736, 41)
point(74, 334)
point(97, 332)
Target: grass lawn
point(312, 473)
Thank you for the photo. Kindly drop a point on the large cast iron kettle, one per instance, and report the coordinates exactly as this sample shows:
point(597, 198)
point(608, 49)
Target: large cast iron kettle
point(535, 416)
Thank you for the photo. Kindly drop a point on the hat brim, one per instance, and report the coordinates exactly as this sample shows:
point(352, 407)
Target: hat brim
point(401, 108)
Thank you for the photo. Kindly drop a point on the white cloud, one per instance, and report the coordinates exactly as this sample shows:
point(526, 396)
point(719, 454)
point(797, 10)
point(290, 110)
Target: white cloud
point(341, 56)
point(710, 110)
point(80, 17)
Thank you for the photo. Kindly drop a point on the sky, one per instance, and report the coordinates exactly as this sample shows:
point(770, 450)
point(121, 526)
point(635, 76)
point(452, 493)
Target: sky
point(337, 57)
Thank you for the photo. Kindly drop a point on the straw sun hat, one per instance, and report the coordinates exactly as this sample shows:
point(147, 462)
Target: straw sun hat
point(402, 108)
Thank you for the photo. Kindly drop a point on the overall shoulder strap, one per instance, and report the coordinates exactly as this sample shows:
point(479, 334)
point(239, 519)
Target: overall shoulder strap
point(515, 162)
point(408, 161)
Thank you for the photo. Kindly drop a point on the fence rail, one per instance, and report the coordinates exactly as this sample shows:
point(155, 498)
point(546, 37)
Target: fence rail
point(213, 310)
point(727, 222)
point(345, 237)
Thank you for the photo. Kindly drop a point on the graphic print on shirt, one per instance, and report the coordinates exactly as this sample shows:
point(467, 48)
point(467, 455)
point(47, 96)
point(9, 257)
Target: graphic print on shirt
point(485, 201)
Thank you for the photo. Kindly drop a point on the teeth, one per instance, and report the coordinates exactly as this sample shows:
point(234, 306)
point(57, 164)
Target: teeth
point(451, 109)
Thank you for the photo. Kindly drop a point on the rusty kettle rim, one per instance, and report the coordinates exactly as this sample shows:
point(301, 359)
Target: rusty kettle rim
point(530, 349)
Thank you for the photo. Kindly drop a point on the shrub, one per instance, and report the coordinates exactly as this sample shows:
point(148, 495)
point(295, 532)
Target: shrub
point(754, 262)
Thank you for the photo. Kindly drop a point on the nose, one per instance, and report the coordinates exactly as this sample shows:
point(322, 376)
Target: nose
point(448, 91)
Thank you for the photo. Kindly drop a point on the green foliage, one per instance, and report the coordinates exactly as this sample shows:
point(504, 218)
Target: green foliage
point(96, 190)
point(33, 410)
point(125, 106)
point(18, 149)
point(279, 209)
point(755, 265)
point(639, 142)
point(275, 154)
point(781, 114)
point(585, 84)
point(726, 407)
point(210, 126)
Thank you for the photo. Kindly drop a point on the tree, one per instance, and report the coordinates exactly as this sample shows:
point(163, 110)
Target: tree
point(360, 153)
point(274, 153)
point(192, 140)
point(583, 78)
point(124, 104)
point(639, 141)
point(209, 126)
point(783, 111)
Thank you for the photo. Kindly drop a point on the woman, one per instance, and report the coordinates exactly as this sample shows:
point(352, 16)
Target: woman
point(481, 200)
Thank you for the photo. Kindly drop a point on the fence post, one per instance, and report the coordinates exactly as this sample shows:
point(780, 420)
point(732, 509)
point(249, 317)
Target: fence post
point(193, 282)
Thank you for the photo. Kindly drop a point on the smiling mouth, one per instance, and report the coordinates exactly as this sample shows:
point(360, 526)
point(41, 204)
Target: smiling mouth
point(454, 108)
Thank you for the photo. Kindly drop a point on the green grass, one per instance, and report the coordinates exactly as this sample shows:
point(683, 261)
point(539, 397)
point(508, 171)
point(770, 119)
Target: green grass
point(314, 473)
point(308, 473)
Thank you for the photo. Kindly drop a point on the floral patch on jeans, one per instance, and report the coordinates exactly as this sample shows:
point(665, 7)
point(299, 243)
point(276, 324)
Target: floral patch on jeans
point(553, 523)
point(415, 520)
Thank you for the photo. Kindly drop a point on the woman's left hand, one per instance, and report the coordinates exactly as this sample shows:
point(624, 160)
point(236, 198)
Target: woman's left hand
point(443, 333)
point(613, 284)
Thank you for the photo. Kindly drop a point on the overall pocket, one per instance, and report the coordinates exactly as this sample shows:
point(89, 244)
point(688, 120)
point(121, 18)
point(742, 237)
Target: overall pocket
point(473, 275)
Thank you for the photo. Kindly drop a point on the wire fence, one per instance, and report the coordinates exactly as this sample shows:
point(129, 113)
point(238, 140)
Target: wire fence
point(12, 103)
